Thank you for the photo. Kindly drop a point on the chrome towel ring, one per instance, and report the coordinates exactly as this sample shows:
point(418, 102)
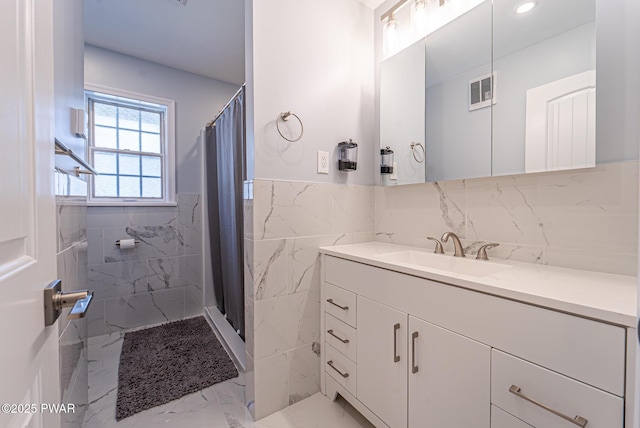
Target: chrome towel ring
point(285, 116)
point(421, 157)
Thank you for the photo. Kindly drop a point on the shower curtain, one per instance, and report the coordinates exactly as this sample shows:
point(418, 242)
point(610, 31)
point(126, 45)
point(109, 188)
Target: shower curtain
point(225, 174)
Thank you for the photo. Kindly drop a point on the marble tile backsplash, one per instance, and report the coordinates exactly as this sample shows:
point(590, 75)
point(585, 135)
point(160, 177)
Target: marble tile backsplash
point(160, 279)
point(285, 224)
point(583, 219)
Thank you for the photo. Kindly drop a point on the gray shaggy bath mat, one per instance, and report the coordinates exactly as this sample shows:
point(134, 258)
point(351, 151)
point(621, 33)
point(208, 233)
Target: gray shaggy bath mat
point(164, 363)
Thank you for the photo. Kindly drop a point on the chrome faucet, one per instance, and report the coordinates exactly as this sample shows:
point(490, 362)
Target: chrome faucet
point(459, 250)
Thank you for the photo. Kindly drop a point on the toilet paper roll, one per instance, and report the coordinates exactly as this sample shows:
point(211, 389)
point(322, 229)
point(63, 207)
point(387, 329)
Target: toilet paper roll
point(127, 243)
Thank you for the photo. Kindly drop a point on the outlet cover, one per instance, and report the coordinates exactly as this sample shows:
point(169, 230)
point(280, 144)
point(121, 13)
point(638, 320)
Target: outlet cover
point(323, 162)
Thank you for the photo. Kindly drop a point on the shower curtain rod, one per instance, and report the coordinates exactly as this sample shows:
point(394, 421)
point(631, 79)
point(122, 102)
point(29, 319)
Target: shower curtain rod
point(226, 105)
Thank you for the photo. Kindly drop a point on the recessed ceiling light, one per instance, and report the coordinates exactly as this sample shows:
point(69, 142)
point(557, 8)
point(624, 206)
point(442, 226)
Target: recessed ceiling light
point(526, 7)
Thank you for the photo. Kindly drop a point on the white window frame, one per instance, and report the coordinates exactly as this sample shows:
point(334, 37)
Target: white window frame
point(169, 164)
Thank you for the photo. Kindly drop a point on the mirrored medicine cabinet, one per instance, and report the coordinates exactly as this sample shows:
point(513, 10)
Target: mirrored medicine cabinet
point(494, 93)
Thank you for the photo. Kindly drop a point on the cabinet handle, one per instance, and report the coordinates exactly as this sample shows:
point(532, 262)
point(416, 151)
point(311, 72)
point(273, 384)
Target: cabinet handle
point(578, 420)
point(337, 337)
point(330, 362)
point(414, 368)
point(344, 308)
point(396, 357)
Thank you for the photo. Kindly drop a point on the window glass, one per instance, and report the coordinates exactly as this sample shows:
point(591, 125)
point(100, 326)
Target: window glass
point(126, 142)
point(128, 118)
point(151, 166)
point(128, 164)
point(105, 137)
point(106, 162)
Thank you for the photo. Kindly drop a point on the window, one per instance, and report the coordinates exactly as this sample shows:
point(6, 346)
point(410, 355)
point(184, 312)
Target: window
point(131, 146)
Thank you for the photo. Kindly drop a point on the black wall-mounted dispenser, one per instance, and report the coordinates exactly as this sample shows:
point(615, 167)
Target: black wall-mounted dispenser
point(347, 156)
point(386, 161)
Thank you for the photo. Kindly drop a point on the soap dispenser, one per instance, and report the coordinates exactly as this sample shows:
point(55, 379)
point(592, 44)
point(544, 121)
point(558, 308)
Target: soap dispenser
point(386, 161)
point(347, 156)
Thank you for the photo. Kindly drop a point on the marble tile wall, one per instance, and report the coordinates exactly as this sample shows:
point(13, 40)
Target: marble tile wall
point(160, 279)
point(285, 223)
point(584, 219)
point(71, 213)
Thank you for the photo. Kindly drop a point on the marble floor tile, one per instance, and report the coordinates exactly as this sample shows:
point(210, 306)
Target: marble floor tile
point(219, 406)
point(316, 411)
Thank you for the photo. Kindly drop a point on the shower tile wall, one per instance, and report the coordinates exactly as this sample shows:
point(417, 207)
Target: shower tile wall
point(583, 219)
point(71, 214)
point(286, 222)
point(160, 279)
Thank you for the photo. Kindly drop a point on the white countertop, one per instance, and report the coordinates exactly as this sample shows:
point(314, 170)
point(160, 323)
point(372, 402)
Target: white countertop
point(602, 296)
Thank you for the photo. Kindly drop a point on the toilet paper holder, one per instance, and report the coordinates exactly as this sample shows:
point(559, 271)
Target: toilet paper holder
point(135, 242)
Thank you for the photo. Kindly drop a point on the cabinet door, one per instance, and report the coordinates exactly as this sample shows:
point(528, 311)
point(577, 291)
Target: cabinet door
point(502, 419)
point(382, 361)
point(449, 378)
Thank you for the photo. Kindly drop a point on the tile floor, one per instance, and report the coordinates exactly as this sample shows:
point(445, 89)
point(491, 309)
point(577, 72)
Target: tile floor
point(219, 406)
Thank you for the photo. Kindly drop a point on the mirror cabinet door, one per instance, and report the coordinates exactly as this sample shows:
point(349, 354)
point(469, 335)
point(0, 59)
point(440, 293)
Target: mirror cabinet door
point(458, 97)
point(544, 60)
point(402, 104)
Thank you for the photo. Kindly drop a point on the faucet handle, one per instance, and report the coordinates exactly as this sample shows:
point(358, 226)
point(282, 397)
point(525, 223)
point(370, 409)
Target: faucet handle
point(482, 252)
point(438, 249)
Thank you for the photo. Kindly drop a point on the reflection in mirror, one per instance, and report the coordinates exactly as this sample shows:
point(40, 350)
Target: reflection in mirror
point(458, 97)
point(402, 103)
point(544, 117)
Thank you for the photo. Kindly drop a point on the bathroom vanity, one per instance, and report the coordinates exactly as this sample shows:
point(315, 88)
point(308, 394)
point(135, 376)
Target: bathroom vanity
point(415, 339)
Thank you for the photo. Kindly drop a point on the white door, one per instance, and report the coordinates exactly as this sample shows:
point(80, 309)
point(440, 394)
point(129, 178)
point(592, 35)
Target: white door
point(560, 126)
point(381, 383)
point(449, 378)
point(29, 351)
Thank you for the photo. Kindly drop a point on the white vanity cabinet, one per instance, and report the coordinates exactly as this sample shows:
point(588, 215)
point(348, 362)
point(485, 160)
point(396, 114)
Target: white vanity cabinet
point(429, 354)
point(449, 378)
point(382, 362)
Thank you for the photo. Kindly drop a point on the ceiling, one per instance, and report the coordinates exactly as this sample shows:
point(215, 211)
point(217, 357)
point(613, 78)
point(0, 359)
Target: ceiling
point(372, 3)
point(205, 37)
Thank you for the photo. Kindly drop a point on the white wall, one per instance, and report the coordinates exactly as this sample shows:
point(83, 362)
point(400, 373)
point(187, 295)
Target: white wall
point(198, 100)
point(68, 36)
point(316, 60)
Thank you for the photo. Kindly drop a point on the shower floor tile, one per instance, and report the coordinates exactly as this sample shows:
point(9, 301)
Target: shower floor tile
point(219, 406)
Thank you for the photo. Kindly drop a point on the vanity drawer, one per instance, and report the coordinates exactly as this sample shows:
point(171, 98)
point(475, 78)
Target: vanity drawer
point(340, 303)
point(502, 419)
point(340, 368)
point(337, 333)
point(560, 393)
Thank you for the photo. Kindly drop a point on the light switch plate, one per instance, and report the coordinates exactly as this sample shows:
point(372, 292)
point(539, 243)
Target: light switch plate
point(323, 162)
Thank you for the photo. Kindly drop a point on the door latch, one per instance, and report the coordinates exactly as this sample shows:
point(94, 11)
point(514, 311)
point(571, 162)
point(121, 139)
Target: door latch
point(55, 300)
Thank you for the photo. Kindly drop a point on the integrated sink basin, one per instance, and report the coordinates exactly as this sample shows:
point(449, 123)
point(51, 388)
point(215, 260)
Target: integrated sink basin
point(443, 262)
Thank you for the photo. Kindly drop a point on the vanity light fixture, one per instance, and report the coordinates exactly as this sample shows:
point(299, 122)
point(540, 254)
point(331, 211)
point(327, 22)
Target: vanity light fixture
point(390, 35)
point(391, 28)
point(526, 7)
point(419, 15)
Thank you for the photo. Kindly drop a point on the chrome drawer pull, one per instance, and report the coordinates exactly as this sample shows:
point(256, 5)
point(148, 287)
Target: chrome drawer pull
point(344, 308)
point(396, 357)
point(330, 362)
point(414, 368)
point(337, 337)
point(578, 420)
